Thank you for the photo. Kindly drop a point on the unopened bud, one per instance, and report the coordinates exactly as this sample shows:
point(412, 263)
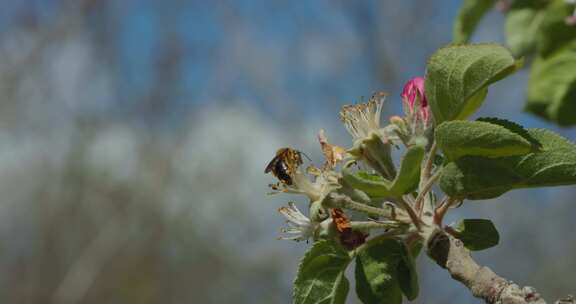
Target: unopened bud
point(416, 105)
point(414, 91)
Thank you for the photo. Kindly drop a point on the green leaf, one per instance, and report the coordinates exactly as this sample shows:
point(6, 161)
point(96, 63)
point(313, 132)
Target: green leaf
point(468, 18)
point(408, 175)
point(406, 179)
point(320, 277)
point(475, 177)
point(477, 234)
point(457, 78)
point(376, 275)
point(554, 33)
point(372, 184)
point(458, 138)
point(513, 127)
point(523, 22)
point(407, 275)
point(473, 103)
point(552, 87)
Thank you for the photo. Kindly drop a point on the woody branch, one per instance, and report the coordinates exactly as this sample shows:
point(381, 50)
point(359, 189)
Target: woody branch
point(450, 253)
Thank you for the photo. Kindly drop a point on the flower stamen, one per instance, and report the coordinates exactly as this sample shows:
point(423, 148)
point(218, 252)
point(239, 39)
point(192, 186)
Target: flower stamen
point(363, 119)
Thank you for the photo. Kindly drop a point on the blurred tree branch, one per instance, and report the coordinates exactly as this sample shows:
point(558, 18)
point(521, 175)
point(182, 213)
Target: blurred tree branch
point(450, 254)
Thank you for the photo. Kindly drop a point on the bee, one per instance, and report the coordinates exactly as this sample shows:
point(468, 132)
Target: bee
point(284, 164)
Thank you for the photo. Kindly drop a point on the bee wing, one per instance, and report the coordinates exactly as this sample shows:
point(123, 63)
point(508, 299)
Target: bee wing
point(271, 164)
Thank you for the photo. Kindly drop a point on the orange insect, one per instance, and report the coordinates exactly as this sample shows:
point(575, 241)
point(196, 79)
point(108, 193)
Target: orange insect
point(340, 220)
point(349, 238)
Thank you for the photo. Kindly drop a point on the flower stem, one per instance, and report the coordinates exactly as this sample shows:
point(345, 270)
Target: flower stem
point(410, 212)
point(343, 201)
point(424, 189)
point(427, 168)
point(440, 212)
point(366, 225)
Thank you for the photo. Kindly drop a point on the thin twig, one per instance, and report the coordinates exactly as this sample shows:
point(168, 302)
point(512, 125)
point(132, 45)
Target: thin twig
point(410, 212)
point(425, 176)
point(344, 201)
point(424, 190)
point(374, 224)
point(440, 212)
point(427, 168)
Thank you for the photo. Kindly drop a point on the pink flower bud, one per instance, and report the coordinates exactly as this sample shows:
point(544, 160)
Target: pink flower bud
point(415, 100)
point(413, 89)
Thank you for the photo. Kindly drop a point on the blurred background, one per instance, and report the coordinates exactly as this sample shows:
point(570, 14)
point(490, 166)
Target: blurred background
point(134, 136)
